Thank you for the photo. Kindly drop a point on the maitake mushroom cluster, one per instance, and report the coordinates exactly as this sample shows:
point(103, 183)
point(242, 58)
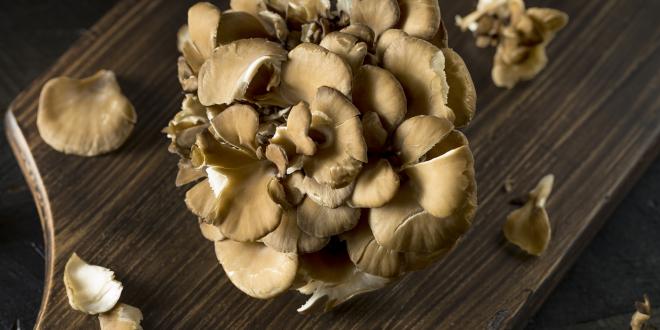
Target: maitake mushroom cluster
point(322, 139)
point(520, 35)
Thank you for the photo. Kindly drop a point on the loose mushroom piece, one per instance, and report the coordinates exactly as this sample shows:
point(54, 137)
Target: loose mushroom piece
point(85, 117)
point(228, 74)
point(379, 15)
point(290, 239)
point(321, 221)
point(90, 289)
point(122, 317)
point(420, 18)
point(529, 226)
point(642, 314)
point(375, 186)
point(347, 46)
point(341, 148)
point(309, 67)
point(462, 98)
point(377, 90)
point(256, 269)
point(420, 68)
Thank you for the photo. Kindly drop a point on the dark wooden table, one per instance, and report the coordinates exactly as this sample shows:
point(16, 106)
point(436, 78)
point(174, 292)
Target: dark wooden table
point(598, 293)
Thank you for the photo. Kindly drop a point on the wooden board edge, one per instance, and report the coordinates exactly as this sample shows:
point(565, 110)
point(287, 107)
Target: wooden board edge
point(26, 162)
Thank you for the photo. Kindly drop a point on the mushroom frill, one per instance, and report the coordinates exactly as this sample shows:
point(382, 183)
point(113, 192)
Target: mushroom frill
point(322, 142)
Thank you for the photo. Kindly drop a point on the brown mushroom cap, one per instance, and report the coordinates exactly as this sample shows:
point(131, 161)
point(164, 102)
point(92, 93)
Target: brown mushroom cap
point(302, 11)
point(375, 186)
point(386, 39)
point(375, 134)
point(369, 256)
point(321, 221)
point(379, 15)
point(529, 226)
point(420, 68)
point(227, 75)
point(417, 135)
point(256, 269)
point(347, 46)
point(238, 125)
point(462, 98)
point(420, 18)
point(85, 117)
point(237, 25)
point(300, 118)
point(289, 238)
point(377, 90)
point(362, 32)
point(325, 195)
point(309, 67)
point(203, 23)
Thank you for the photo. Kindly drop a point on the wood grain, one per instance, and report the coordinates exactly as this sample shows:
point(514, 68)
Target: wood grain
point(583, 119)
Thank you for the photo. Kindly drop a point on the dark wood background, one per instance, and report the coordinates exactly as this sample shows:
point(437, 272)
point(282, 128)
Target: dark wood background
point(620, 265)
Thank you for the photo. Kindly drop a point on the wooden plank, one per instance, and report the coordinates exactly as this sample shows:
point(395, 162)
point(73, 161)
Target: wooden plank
point(592, 118)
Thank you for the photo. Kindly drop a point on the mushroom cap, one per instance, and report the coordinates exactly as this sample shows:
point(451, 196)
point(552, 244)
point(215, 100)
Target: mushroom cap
point(85, 117)
point(256, 269)
point(529, 226)
point(509, 74)
point(420, 68)
point(321, 221)
point(203, 23)
point(122, 317)
point(90, 289)
point(462, 98)
point(362, 32)
point(379, 15)
point(369, 256)
point(386, 39)
point(339, 157)
point(303, 11)
point(420, 18)
point(417, 135)
point(297, 126)
point(375, 186)
point(274, 24)
point(309, 67)
point(253, 7)
point(289, 238)
point(377, 90)
point(187, 173)
point(375, 134)
point(325, 195)
point(347, 46)
point(227, 75)
point(237, 25)
point(238, 125)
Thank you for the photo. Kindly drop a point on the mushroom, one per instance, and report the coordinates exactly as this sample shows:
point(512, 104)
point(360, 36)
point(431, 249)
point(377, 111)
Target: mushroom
point(320, 221)
point(187, 173)
point(274, 24)
point(379, 15)
point(289, 238)
point(386, 39)
point(237, 125)
point(642, 314)
point(347, 46)
point(122, 317)
point(361, 31)
point(85, 117)
point(241, 70)
point(529, 226)
point(377, 90)
point(210, 232)
point(309, 67)
point(256, 269)
point(375, 186)
point(420, 68)
point(420, 18)
point(462, 97)
point(341, 148)
point(186, 124)
point(304, 11)
point(375, 134)
point(369, 256)
point(186, 76)
point(325, 195)
point(90, 289)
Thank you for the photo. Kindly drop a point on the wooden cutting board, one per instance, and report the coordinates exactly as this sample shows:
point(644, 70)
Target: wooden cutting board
point(592, 118)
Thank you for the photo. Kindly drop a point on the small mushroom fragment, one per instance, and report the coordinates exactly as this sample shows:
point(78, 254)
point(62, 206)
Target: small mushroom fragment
point(256, 269)
point(642, 314)
point(122, 317)
point(529, 227)
point(90, 289)
point(85, 117)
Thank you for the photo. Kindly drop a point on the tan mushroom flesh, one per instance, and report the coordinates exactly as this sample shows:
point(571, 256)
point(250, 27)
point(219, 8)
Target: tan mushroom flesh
point(85, 117)
point(122, 317)
point(90, 289)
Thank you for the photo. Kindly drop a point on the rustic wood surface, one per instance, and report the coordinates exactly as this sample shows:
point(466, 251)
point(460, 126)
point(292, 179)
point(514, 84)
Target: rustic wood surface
point(586, 119)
